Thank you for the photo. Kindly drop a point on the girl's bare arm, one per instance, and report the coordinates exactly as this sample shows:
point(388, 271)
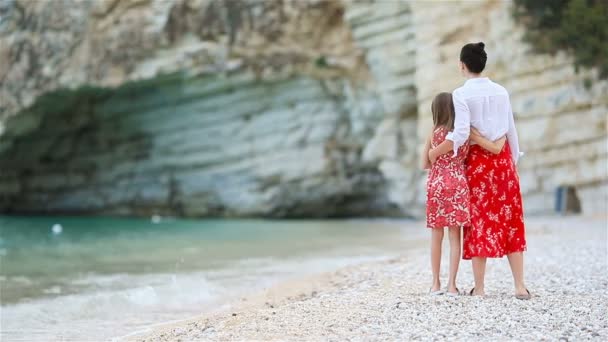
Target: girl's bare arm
point(492, 146)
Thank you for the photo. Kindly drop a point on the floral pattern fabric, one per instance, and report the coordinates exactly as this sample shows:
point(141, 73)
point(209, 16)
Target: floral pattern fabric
point(447, 202)
point(497, 225)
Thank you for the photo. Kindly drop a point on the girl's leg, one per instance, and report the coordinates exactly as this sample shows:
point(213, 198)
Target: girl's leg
point(436, 239)
point(516, 261)
point(479, 273)
point(455, 246)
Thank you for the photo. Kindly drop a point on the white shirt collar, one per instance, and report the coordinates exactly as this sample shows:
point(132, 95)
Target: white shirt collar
point(477, 80)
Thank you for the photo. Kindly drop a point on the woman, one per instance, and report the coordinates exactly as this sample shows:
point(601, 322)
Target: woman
point(497, 226)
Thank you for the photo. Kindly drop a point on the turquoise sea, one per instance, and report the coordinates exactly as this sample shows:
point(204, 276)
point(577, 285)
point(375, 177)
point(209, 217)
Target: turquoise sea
point(98, 278)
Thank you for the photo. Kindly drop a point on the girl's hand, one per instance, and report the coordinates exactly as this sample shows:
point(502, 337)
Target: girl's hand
point(475, 135)
point(475, 132)
point(493, 146)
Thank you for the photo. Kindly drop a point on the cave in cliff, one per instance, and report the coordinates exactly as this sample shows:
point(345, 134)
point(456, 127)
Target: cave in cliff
point(206, 108)
point(209, 145)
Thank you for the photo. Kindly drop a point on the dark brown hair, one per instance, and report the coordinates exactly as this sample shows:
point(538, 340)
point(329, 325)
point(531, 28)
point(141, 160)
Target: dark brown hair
point(443, 111)
point(474, 56)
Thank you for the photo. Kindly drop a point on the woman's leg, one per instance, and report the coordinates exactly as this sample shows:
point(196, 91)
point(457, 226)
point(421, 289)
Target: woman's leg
point(436, 239)
point(479, 273)
point(454, 234)
point(516, 261)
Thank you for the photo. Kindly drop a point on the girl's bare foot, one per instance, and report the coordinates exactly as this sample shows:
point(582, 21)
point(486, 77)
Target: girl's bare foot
point(436, 286)
point(453, 289)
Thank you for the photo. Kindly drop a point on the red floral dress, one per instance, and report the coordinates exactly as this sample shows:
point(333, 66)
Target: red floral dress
point(447, 199)
point(497, 223)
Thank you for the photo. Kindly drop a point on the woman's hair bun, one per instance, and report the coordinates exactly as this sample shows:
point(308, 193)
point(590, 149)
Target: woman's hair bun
point(474, 57)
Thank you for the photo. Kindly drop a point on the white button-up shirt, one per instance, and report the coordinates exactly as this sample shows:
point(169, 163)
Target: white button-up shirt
point(484, 105)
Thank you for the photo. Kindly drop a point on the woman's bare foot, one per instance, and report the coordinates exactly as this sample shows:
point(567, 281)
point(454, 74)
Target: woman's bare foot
point(522, 293)
point(477, 292)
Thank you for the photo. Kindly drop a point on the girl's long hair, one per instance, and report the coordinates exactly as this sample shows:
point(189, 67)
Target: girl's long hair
point(443, 111)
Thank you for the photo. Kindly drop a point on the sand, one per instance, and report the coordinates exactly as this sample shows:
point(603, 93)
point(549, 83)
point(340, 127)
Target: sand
point(566, 271)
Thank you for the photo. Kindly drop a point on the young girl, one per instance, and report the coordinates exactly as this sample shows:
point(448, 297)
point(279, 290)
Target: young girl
point(447, 193)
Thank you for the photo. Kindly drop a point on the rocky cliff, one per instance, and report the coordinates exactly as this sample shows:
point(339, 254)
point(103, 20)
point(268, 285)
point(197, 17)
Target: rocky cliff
point(267, 108)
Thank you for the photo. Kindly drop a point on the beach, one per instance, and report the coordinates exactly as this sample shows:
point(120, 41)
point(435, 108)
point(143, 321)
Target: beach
point(566, 271)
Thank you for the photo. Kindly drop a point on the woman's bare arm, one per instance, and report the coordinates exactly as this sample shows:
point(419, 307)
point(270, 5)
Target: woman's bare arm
point(492, 146)
point(446, 146)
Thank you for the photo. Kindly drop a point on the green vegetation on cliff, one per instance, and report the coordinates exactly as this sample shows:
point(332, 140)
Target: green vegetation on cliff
point(579, 27)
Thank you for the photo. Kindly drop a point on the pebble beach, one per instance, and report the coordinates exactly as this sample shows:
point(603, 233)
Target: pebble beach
point(566, 271)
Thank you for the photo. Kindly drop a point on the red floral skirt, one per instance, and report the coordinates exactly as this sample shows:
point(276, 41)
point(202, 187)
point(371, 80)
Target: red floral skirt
point(497, 220)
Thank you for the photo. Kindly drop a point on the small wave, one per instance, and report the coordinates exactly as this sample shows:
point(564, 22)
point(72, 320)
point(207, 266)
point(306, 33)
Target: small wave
point(52, 290)
point(103, 314)
point(130, 303)
point(20, 280)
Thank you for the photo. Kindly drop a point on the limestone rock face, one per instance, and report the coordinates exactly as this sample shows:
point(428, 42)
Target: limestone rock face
point(267, 108)
point(66, 44)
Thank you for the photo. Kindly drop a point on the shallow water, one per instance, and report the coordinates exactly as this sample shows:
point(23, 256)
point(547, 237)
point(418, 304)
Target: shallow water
point(100, 278)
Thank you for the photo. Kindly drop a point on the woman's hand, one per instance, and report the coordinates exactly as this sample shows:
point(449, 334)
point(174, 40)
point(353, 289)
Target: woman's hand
point(425, 162)
point(433, 155)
